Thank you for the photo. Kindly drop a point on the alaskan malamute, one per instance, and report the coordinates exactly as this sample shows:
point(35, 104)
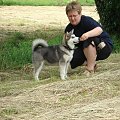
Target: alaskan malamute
point(61, 54)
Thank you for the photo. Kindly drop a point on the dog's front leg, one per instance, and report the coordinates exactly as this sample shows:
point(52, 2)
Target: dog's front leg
point(62, 66)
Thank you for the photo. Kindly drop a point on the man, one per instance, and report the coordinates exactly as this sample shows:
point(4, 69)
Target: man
point(95, 44)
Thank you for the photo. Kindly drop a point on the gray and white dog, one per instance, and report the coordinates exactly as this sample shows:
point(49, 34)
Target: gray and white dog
point(61, 54)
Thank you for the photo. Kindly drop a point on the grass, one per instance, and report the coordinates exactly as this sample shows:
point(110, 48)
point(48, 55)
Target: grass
point(12, 80)
point(43, 2)
point(14, 51)
point(8, 111)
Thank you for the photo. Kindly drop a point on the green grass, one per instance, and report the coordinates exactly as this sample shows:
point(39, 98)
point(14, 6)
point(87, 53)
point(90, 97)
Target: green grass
point(43, 2)
point(8, 111)
point(13, 56)
point(15, 52)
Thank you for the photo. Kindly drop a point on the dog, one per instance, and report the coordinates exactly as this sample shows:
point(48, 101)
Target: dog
point(61, 54)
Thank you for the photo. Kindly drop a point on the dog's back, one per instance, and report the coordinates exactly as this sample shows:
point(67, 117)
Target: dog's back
point(41, 51)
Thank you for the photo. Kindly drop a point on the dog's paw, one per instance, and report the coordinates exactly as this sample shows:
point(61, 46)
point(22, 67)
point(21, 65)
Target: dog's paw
point(63, 78)
point(36, 78)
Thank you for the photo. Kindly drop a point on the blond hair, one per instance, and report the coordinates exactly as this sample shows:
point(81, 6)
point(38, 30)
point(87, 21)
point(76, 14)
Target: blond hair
point(74, 5)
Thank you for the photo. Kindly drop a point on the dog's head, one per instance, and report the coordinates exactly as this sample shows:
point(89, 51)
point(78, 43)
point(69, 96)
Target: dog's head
point(70, 39)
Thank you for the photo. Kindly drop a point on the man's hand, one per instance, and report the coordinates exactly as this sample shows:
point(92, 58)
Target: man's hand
point(84, 37)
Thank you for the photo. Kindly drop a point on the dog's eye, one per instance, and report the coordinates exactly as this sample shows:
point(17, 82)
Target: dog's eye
point(73, 37)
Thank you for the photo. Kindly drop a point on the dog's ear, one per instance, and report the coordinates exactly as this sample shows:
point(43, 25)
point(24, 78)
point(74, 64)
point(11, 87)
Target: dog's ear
point(72, 31)
point(66, 36)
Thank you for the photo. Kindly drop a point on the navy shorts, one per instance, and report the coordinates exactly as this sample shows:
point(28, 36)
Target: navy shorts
point(79, 57)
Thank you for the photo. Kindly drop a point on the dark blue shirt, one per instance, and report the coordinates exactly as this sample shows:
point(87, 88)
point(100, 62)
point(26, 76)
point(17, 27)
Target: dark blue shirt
point(86, 24)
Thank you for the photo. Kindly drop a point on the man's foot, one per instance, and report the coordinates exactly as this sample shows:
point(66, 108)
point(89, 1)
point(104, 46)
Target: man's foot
point(90, 72)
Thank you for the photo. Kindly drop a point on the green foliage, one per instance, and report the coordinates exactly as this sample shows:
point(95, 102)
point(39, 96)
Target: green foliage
point(43, 2)
point(109, 14)
point(116, 42)
point(1, 2)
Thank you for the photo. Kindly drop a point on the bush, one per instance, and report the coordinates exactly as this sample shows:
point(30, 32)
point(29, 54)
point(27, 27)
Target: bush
point(1, 2)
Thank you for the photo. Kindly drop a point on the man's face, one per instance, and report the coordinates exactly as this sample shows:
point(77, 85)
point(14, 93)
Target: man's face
point(74, 17)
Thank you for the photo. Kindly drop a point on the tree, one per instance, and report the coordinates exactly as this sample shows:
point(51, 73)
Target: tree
point(108, 11)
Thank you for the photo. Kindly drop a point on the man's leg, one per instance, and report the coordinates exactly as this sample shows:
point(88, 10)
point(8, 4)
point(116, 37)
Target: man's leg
point(78, 58)
point(90, 53)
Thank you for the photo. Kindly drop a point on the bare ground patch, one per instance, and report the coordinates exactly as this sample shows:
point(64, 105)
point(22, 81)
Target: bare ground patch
point(28, 18)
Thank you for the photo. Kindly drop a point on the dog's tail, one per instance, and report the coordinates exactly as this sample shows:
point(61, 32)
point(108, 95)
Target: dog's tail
point(39, 43)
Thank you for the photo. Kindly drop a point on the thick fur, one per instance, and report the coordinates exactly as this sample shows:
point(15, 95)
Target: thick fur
point(61, 54)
